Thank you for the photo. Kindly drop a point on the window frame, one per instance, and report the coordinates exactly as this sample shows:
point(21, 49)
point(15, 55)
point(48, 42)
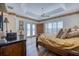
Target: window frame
point(52, 29)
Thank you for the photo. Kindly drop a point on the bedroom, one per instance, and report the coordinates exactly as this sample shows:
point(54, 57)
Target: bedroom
point(22, 23)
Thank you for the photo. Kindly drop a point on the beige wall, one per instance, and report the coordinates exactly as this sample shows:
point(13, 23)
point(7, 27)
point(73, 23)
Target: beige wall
point(11, 24)
point(69, 21)
point(14, 23)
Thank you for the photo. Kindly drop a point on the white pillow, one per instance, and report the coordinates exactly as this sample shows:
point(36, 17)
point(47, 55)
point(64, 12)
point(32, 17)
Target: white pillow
point(2, 34)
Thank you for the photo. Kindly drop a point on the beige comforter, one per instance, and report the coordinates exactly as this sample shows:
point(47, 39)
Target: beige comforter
point(63, 43)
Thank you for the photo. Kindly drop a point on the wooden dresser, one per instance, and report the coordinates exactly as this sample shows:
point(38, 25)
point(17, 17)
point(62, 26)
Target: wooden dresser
point(17, 48)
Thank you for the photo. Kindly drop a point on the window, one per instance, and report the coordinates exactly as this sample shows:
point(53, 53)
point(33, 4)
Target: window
point(50, 27)
point(33, 29)
point(30, 29)
point(46, 28)
point(53, 27)
point(60, 25)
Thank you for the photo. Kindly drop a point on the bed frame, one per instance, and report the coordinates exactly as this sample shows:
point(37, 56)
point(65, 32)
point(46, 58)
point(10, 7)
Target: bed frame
point(57, 50)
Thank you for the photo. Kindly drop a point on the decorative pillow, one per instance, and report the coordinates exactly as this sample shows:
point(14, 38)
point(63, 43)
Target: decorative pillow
point(59, 33)
point(73, 34)
point(74, 30)
point(64, 35)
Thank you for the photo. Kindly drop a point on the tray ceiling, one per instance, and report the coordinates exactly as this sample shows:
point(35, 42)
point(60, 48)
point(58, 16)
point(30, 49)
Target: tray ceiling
point(41, 11)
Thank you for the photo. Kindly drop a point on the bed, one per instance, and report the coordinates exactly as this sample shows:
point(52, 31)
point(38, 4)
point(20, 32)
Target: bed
point(67, 47)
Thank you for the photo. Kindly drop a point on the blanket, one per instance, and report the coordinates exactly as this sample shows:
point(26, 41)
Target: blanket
point(70, 43)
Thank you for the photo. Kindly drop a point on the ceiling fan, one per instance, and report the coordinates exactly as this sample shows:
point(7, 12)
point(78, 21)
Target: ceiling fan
point(44, 14)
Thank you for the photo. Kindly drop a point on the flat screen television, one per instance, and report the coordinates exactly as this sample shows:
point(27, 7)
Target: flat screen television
point(11, 36)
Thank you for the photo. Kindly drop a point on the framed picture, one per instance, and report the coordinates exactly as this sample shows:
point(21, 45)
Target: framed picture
point(21, 25)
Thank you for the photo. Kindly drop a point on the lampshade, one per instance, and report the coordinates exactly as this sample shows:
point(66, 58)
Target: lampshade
point(6, 20)
point(76, 27)
point(3, 7)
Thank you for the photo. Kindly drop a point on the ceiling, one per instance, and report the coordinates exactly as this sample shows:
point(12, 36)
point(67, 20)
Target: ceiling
point(41, 11)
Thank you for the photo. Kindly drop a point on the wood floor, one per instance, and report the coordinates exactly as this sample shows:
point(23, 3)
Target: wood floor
point(33, 51)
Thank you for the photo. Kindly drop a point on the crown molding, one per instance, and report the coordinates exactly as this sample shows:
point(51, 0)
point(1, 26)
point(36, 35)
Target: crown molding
point(72, 13)
point(12, 13)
